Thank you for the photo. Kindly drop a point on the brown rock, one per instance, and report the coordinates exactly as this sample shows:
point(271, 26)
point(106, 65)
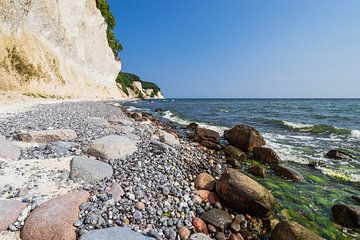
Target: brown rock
point(137, 116)
point(346, 215)
point(244, 137)
point(184, 233)
point(338, 154)
point(139, 205)
point(47, 136)
point(292, 230)
point(204, 181)
point(9, 212)
point(287, 173)
point(207, 196)
point(236, 236)
point(200, 225)
point(202, 134)
point(211, 145)
point(266, 155)
point(235, 153)
point(53, 220)
point(243, 194)
point(257, 170)
point(192, 126)
point(211, 228)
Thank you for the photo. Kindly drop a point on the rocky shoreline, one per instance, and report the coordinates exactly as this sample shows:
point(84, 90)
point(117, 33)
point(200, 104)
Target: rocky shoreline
point(108, 171)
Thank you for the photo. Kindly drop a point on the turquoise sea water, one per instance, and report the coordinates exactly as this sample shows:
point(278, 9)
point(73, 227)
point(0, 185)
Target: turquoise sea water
point(301, 131)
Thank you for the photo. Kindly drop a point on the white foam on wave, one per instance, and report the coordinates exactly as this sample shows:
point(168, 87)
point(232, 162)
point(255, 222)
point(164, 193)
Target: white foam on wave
point(296, 125)
point(133, 109)
point(174, 118)
point(355, 134)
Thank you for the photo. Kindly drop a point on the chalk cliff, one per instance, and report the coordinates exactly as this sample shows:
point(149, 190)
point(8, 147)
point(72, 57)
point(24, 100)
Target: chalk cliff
point(56, 49)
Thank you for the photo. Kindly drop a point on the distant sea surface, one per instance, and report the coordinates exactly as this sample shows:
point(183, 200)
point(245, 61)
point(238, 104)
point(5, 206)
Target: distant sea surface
point(300, 131)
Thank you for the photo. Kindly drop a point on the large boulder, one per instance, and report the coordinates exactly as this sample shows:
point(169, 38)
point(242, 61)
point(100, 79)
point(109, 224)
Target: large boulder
point(289, 230)
point(244, 194)
point(202, 134)
point(8, 150)
point(244, 137)
point(287, 173)
point(118, 233)
point(47, 136)
point(89, 170)
point(338, 154)
point(235, 153)
point(53, 220)
point(98, 121)
point(112, 147)
point(346, 215)
point(9, 212)
point(266, 155)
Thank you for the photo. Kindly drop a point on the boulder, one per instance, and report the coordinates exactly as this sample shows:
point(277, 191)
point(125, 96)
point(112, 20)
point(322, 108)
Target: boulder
point(211, 145)
point(98, 121)
point(89, 170)
point(112, 147)
point(244, 137)
point(167, 138)
point(199, 236)
point(118, 233)
point(346, 215)
point(291, 230)
point(9, 212)
point(234, 152)
point(287, 173)
point(219, 218)
point(204, 181)
point(53, 220)
point(244, 194)
point(338, 154)
point(202, 134)
point(266, 155)
point(8, 150)
point(137, 116)
point(47, 136)
point(192, 126)
point(258, 171)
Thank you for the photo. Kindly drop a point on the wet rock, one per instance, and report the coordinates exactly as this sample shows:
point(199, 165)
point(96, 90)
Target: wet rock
point(292, 230)
point(346, 215)
point(54, 219)
point(258, 171)
point(112, 147)
point(47, 136)
point(219, 218)
point(244, 137)
point(211, 145)
point(199, 236)
point(184, 233)
point(236, 236)
point(233, 162)
point(356, 199)
point(89, 170)
point(243, 194)
point(266, 155)
point(287, 173)
point(204, 181)
point(136, 116)
point(234, 152)
point(9, 212)
point(202, 134)
point(119, 233)
point(200, 225)
point(236, 224)
point(192, 126)
point(338, 154)
point(8, 150)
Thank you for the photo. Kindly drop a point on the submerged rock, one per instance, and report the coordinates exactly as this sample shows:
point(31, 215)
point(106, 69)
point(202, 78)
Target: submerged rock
point(244, 194)
point(266, 155)
point(112, 147)
point(8, 150)
point(346, 215)
point(234, 152)
point(289, 230)
point(47, 136)
point(287, 173)
point(89, 170)
point(192, 126)
point(338, 154)
point(356, 199)
point(9, 212)
point(219, 218)
point(119, 233)
point(258, 171)
point(244, 137)
point(202, 134)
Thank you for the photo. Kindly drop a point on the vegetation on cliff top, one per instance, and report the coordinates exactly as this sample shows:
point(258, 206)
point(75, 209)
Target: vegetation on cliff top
point(126, 81)
point(110, 20)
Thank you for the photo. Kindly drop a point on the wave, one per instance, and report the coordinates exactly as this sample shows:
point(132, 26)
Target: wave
point(177, 119)
point(355, 134)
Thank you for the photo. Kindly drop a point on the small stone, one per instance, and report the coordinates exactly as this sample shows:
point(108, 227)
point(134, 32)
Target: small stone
point(236, 236)
point(204, 181)
point(211, 228)
point(184, 233)
point(199, 236)
point(139, 205)
point(199, 225)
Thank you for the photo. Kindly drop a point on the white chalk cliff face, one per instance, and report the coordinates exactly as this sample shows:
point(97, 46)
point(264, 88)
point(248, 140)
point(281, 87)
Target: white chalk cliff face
point(56, 48)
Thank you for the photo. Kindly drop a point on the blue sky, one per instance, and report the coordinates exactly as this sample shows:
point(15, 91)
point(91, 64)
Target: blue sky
point(242, 48)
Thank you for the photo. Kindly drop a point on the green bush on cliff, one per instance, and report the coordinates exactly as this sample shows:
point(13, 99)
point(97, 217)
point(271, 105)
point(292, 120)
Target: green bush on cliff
point(110, 20)
point(126, 81)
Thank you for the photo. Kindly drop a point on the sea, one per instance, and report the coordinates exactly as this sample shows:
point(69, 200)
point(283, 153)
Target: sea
point(301, 131)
